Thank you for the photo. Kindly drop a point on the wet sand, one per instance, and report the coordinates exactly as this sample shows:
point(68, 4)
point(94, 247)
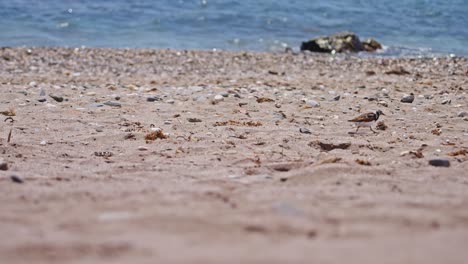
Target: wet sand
point(229, 157)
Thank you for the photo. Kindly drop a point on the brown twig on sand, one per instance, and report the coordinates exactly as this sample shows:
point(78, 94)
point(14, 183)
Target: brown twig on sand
point(11, 129)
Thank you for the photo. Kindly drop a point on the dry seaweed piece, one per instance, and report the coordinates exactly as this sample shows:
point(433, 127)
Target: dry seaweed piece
point(363, 162)
point(238, 123)
point(158, 134)
point(9, 112)
point(436, 131)
point(332, 159)
point(329, 146)
point(264, 100)
point(458, 152)
point(417, 153)
point(398, 71)
point(381, 125)
point(194, 120)
point(129, 136)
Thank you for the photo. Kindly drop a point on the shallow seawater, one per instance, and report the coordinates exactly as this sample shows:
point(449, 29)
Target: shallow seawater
point(416, 27)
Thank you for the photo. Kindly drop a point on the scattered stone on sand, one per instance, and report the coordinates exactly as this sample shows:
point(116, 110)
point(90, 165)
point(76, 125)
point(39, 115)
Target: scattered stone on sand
point(16, 179)
point(142, 148)
point(194, 120)
point(112, 104)
point(153, 99)
point(446, 101)
point(439, 162)
point(304, 130)
point(217, 99)
point(381, 126)
point(42, 100)
point(462, 114)
point(105, 154)
point(383, 103)
point(3, 165)
point(407, 98)
point(57, 98)
point(336, 98)
point(312, 103)
point(371, 45)
point(43, 143)
point(343, 42)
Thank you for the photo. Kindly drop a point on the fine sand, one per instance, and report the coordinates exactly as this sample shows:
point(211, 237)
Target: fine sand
point(233, 178)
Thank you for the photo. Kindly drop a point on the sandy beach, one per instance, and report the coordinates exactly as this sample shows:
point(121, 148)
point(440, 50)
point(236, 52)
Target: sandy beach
point(172, 156)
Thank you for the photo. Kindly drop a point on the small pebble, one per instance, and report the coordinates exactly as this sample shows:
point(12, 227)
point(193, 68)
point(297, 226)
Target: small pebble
point(113, 104)
point(43, 143)
point(16, 179)
point(218, 98)
point(337, 98)
point(462, 114)
point(170, 101)
point(194, 120)
point(304, 130)
point(407, 98)
point(439, 162)
point(312, 103)
point(142, 148)
point(42, 100)
point(153, 99)
point(57, 98)
point(3, 165)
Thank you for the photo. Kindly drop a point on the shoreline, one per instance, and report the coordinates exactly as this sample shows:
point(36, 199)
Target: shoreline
point(396, 53)
point(253, 155)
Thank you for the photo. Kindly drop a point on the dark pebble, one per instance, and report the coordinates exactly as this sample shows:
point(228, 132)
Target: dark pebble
point(3, 166)
point(337, 98)
point(42, 100)
point(194, 120)
point(113, 104)
point(153, 99)
point(407, 99)
point(439, 162)
point(304, 131)
point(57, 98)
point(16, 179)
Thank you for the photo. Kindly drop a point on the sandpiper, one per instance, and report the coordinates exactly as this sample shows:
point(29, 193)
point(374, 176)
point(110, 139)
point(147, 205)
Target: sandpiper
point(366, 120)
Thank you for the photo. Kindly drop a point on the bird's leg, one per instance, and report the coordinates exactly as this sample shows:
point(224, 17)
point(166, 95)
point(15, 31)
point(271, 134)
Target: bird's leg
point(372, 129)
point(357, 128)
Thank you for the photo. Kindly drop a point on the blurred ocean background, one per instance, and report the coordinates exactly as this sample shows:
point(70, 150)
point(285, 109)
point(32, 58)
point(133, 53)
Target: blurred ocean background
point(405, 27)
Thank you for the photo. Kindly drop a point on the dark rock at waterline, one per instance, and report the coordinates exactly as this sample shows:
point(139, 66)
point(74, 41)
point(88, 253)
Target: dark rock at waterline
point(371, 45)
point(340, 42)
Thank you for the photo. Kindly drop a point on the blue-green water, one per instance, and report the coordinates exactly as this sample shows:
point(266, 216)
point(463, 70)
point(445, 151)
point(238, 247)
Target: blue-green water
point(403, 26)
